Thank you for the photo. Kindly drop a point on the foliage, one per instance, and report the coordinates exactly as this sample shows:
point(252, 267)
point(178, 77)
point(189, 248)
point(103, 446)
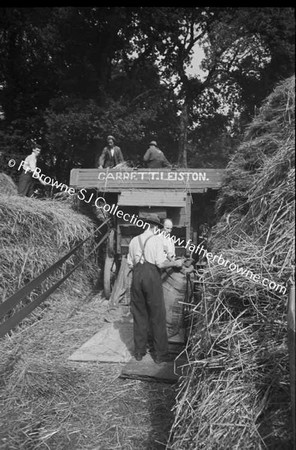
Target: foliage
point(71, 75)
point(212, 142)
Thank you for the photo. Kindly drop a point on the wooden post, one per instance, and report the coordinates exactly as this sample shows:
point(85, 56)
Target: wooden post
point(188, 220)
point(292, 349)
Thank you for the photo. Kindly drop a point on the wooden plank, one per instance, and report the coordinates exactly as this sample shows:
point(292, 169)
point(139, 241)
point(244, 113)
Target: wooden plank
point(112, 343)
point(112, 180)
point(128, 230)
point(148, 370)
point(118, 238)
point(151, 198)
point(144, 212)
point(115, 343)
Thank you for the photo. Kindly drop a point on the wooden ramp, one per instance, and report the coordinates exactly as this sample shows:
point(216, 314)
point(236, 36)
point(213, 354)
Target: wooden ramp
point(114, 344)
point(148, 370)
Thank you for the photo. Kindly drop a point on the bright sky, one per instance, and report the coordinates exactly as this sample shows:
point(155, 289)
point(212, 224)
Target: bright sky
point(195, 69)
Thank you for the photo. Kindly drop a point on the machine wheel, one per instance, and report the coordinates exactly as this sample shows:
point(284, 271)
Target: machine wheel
point(110, 249)
point(109, 275)
point(110, 265)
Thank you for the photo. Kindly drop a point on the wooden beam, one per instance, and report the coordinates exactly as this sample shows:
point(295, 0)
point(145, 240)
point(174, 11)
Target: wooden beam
point(112, 180)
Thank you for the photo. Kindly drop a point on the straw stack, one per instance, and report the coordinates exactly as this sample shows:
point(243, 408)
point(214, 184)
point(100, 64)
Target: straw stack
point(34, 234)
point(7, 185)
point(236, 394)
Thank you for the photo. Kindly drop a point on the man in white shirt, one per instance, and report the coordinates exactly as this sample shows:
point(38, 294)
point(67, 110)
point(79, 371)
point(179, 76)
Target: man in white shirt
point(26, 182)
point(111, 155)
point(169, 246)
point(146, 257)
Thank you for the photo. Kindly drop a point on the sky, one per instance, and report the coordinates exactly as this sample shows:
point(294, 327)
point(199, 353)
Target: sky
point(195, 69)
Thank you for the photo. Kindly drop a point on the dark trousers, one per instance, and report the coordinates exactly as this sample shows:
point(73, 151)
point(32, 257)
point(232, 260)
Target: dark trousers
point(26, 184)
point(148, 310)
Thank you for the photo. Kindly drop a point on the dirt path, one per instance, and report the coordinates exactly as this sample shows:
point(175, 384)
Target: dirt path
point(51, 403)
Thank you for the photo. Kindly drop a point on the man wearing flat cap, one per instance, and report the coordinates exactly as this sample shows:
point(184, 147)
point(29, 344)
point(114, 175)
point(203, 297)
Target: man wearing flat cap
point(154, 157)
point(111, 155)
point(146, 258)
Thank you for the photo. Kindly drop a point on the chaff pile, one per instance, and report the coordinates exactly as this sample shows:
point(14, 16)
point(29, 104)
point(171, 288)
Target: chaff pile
point(236, 394)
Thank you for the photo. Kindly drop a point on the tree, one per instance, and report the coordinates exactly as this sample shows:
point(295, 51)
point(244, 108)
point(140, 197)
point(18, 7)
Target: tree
point(237, 55)
point(71, 75)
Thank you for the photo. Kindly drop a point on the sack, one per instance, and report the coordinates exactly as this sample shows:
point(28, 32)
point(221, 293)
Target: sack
point(174, 285)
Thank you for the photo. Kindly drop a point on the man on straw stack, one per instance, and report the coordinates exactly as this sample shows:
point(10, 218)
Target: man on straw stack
point(154, 157)
point(146, 257)
point(111, 155)
point(26, 182)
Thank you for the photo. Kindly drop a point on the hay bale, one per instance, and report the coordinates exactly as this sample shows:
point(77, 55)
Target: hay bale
point(237, 392)
point(7, 185)
point(264, 137)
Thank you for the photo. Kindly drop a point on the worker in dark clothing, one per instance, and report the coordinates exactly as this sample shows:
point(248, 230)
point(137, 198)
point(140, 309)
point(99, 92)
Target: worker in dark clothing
point(146, 257)
point(154, 157)
point(111, 155)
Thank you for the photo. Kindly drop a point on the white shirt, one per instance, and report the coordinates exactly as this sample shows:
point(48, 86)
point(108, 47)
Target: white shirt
point(154, 250)
point(169, 246)
point(30, 163)
point(112, 152)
